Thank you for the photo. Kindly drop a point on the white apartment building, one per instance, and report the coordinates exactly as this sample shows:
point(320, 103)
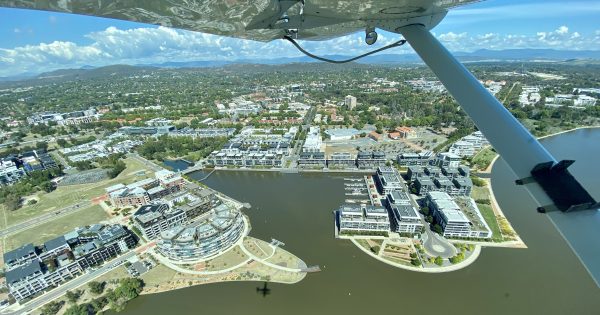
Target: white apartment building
point(357, 218)
point(350, 101)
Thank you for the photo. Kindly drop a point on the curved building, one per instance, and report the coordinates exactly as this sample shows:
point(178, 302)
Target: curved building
point(216, 233)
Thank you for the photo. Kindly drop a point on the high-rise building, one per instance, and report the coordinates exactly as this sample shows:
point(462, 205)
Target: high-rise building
point(350, 102)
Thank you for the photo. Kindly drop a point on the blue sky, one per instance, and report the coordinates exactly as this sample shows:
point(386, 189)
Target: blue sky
point(33, 41)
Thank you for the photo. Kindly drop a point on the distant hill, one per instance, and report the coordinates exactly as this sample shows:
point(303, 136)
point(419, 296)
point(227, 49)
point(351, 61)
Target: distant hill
point(483, 55)
point(531, 54)
point(479, 55)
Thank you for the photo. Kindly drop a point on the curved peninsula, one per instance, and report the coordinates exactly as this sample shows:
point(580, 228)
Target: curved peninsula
point(426, 218)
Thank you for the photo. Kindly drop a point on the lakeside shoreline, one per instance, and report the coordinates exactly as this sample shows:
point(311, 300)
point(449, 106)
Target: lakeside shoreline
point(463, 264)
point(489, 169)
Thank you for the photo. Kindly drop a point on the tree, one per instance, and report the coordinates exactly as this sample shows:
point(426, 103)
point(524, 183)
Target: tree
point(129, 288)
point(96, 287)
point(52, 308)
point(439, 261)
point(61, 142)
point(12, 202)
point(73, 296)
point(118, 167)
point(438, 229)
point(83, 309)
point(458, 258)
point(83, 165)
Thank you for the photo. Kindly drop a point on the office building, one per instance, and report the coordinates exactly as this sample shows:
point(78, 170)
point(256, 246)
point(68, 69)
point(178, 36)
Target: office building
point(414, 172)
point(388, 179)
point(447, 159)
point(312, 160)
point(358, 218)
point(410, 159)
point(341, 160)
point(370, 160)
point(350, 102)
point(144, 191)
point(462, 149)
point(456, 222)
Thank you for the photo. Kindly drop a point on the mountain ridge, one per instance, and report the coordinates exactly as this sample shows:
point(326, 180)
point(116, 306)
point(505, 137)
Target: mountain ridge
point(482, 55)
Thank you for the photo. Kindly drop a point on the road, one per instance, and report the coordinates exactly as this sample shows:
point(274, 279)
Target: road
point(71, 285)
point(146, 163)
point(44, 218)
point(434, 244)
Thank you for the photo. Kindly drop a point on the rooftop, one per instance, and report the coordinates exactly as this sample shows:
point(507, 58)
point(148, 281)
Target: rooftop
point(471, 211)
point(55, 243)
point(342, 132)
point(406, 212)
point(398, 197)
point(18, 253)
point(373, 210)
point(354, 209)
point(19, 273)
point(111, 232)
point(455, 216)
point(463, 182)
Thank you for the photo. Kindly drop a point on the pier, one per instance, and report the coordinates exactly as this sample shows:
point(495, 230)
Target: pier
point(311, 269)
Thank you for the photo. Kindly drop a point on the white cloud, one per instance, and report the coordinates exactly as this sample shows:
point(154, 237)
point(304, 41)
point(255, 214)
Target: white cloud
point(452, 37)
point(161, 44)
point(562, 30)
point(561, 38)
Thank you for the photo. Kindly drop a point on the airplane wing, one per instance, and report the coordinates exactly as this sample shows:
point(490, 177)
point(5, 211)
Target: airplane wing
point(261, 20)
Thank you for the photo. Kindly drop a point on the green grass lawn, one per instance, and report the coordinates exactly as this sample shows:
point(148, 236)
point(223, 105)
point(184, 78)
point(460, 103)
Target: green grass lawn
point(115, 274)
point(158, 275)
point(67, 195)
point(478, 193)
point(490, 218)
point(60, 226)
point(232, 257)
point(483, 158)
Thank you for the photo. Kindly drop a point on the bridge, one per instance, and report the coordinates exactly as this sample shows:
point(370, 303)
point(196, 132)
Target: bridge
point(197, 167)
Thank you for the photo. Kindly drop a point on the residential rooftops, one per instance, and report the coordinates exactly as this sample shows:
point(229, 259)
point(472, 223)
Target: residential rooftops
point(21, 272)
point(19, 253)
point(55, 243)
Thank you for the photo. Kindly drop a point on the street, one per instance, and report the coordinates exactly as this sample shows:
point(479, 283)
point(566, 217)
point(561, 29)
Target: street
point(146, 163)
point(434, 244)
point(13, 229)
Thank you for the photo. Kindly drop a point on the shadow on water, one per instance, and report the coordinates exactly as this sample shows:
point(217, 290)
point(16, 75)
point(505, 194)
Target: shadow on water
point(264, 291)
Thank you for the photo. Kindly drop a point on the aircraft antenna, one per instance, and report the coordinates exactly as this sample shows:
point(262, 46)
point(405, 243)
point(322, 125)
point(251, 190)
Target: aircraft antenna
point(392, 45)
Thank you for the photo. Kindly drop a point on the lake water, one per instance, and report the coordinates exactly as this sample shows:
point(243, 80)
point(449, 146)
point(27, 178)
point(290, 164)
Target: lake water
point(297, 209)
point(176, 165)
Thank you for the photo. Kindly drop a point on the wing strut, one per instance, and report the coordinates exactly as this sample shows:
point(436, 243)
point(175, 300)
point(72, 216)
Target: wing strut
point(549, 182)
point(546, 179)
